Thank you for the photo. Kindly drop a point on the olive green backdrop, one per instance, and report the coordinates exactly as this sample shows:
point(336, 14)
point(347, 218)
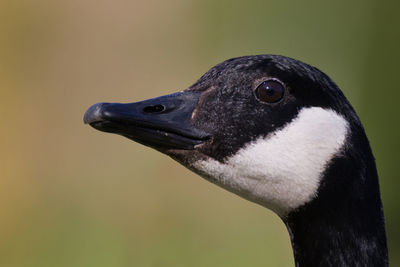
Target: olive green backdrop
point(72, 196)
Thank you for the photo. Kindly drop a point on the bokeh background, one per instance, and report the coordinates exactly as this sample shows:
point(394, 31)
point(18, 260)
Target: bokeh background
point(72, 196)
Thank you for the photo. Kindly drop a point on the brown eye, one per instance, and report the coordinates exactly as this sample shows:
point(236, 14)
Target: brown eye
point(270, 91)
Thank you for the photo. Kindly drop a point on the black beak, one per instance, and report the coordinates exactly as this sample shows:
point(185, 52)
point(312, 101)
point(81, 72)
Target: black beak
point(162, 122)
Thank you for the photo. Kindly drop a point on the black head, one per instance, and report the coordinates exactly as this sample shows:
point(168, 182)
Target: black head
point(276, 108)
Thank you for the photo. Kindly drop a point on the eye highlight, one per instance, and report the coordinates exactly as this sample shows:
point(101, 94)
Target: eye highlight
point(270, 91)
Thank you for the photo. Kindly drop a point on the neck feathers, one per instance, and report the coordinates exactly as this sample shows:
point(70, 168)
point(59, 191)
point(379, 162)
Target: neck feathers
point(344, 225)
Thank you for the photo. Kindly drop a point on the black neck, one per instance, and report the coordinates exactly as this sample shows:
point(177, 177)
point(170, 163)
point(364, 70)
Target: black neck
point(344, 225)
point(325, 241)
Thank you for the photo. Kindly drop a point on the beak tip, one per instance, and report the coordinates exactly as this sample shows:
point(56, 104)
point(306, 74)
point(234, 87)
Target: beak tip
point(93, 113)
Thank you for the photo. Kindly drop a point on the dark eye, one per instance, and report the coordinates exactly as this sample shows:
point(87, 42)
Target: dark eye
point(270, 91)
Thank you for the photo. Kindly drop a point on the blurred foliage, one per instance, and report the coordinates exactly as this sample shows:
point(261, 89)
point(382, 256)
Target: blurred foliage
point(70, 196)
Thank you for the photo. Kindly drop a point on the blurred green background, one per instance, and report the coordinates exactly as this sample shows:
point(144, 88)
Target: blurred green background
point(72, 196)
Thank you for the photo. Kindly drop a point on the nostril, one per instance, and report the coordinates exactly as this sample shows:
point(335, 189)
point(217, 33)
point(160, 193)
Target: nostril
point(154, 109)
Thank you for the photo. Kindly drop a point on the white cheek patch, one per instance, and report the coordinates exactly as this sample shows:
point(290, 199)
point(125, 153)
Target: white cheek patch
point(283, 170)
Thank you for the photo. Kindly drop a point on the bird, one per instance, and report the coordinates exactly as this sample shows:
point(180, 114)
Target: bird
point(277, 132)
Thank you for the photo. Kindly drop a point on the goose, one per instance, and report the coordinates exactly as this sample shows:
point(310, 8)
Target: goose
point(277, 132)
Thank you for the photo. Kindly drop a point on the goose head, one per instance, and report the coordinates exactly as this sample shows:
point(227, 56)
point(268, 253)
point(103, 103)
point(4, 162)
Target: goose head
point(277, 132)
